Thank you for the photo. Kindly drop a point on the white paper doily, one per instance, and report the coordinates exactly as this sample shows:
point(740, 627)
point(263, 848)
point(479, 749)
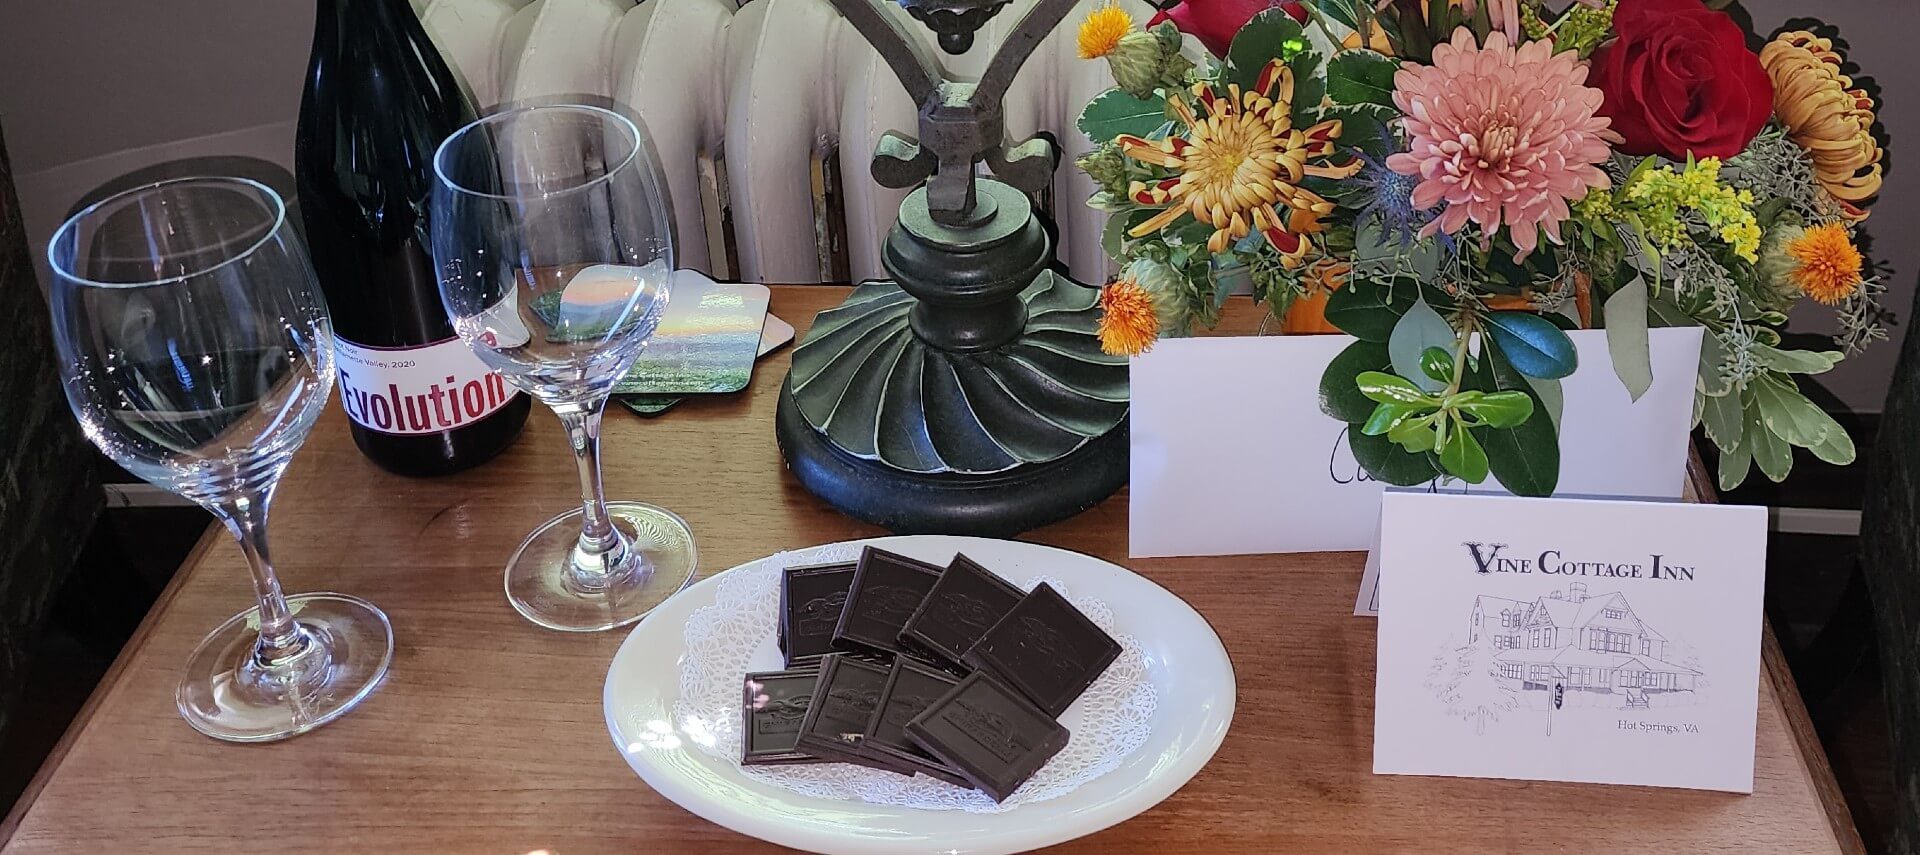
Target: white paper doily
point(735, 635)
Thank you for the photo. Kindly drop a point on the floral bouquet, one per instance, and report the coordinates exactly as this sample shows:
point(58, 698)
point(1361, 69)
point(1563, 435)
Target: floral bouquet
point(1457, 184)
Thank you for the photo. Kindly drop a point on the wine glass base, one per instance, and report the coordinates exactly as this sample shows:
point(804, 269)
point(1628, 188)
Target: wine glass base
point(542, 587)
point(227, 694)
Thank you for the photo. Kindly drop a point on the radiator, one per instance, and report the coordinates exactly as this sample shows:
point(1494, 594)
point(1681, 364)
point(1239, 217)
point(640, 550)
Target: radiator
point(765, 116)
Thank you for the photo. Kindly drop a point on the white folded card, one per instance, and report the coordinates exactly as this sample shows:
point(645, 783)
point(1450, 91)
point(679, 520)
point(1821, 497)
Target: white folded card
point(1569, 640)
point(1232, 455)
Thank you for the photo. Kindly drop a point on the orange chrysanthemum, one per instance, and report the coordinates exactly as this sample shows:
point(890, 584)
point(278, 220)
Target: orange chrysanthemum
point(1827, 115)
point(1128, 325)
point(1101, 32)
point(1827, 266)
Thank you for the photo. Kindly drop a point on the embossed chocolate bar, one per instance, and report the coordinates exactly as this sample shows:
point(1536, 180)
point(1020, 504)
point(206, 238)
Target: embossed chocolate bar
point(843, 703)
point(1046, 649)
point(910, 689)
point(886, 590)
point(811, 598)
point(966, 601)
point(987, 732)
point(774, 706)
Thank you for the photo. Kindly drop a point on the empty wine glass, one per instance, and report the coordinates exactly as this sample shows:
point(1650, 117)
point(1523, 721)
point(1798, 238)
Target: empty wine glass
point(196, 351)
point(554, 250)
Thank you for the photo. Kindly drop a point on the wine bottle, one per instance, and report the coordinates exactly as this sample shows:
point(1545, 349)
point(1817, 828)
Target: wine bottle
point(378, 100)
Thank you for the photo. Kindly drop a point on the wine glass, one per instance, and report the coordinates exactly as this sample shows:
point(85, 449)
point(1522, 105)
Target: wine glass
point(196, 352)
point(554, 251)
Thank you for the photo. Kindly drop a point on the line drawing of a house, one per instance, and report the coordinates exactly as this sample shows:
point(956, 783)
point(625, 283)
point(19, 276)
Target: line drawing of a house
point(1585, 643)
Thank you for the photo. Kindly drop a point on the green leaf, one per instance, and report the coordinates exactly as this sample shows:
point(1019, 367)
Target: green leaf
point(1309, 87)
point(1525, 458)
point(1386, 417)
point(1836, 449)
point(1414, 434)
point(1713, 354)
point(1261, 40)
point(1361, 77)
point(1734, 463)
point(1463, 456)
point(1418, 330)
point(1361, 125)
point(1533, 345)
point(1437, 364)
point(1369, 309)
point(1385, 388)
point(1796, 361)
point(1500, 409)
point(1723, 419)
point(1390, 463)
point(1625, 315)
point(1113, 112)
point(1788, 414)
point(1770, 452)
point(1340, 384)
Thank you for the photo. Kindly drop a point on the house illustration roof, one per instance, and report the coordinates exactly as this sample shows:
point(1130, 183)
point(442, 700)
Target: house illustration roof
point(1492, 605)
point(1572, 657)
point(1574, 614)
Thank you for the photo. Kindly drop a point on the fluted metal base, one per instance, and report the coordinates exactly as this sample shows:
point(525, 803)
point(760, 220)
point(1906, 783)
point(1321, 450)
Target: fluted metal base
point(999, 504)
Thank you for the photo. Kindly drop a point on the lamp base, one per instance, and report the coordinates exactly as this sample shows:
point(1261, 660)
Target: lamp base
point(999, 504)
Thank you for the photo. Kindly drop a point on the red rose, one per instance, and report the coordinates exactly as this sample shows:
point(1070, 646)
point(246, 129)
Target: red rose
point(1679, 78)
point(1214, 22)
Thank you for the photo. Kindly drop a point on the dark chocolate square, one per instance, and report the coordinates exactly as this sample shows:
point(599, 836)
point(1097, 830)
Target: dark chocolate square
point(774, 707)
point(985, 730)
point(1046, 649)
point(886, 590)
point(811, 598)
point(966, 601)
point(843, 704)
point(911, 688)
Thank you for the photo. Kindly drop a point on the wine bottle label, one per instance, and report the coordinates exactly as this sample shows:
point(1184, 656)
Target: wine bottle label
point(417, 390)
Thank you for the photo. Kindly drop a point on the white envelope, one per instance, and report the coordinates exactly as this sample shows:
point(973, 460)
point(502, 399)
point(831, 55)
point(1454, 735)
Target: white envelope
point(1232, 455)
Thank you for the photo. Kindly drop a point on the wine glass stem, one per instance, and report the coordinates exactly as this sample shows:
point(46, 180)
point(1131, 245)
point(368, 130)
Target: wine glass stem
point(601, 548)
point(280, 638)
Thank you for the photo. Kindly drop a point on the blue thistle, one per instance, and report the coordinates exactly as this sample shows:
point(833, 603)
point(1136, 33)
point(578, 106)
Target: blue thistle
point(1386, 197)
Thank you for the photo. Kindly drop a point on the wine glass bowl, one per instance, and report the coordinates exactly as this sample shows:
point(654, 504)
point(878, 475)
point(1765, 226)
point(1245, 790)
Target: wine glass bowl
point(553, 244)
point(196, 352)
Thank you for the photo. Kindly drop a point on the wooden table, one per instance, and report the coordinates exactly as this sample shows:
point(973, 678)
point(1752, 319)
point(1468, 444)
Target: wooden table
point(488, 737)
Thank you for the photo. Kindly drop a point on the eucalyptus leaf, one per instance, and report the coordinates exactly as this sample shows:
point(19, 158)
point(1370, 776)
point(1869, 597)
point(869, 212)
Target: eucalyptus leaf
point(1625, 314)
point(1463, 457)
point(1113, 112)
point(1549, 393)
point(1361, 77)
point(1419, 329)
point(1385, 388)
point(1340, 384)
point(1390, 463)
point(1369, 310)
point(1533, 345)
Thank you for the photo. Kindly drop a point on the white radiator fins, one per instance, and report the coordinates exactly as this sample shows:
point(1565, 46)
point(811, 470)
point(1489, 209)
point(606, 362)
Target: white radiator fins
point(468, 33)
point(567, 48)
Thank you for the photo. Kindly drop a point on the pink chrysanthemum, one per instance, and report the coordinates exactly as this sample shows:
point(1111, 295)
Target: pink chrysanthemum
point(1501, 135)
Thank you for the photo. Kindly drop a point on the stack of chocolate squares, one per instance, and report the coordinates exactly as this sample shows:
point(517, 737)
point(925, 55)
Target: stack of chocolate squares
point(904, 666)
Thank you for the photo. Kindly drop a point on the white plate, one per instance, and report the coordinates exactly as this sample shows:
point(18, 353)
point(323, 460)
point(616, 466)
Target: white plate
point(1185, 659)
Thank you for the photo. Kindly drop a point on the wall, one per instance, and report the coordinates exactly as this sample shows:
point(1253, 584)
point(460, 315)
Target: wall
point(96, 88)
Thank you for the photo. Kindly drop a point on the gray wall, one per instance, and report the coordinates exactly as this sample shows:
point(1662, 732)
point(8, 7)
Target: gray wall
point(91, 89)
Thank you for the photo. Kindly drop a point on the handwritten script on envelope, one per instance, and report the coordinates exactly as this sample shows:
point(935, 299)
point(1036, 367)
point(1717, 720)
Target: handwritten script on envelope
point(1569, 640)
point(1232, 455)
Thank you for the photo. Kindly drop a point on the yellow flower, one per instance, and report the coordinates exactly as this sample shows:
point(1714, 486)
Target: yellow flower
point(1240, 167)
point(1100, 33)
point(1827, 264)
point(1827, 116)
point(1128, 323)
